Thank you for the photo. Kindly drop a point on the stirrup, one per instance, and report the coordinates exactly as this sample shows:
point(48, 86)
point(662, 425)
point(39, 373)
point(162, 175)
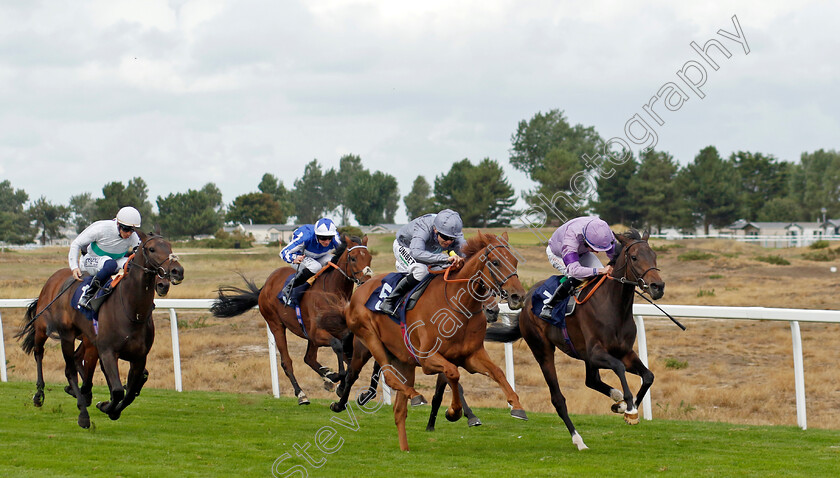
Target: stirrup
point(546, 312)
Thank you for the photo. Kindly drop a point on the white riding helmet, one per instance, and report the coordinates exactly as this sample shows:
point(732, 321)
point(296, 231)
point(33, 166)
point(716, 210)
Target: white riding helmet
point(325, 227)
point(129, 216)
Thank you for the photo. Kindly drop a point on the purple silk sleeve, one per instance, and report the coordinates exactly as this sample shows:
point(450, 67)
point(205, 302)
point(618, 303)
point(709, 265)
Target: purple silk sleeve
point(571, 258)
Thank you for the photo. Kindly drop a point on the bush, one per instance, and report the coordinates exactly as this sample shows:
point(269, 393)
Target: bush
point(695, 256)
point(704, 292)
point(224, 240)
point(350, 231)
point(821, 244)
point(775, 260)
point(675, 364)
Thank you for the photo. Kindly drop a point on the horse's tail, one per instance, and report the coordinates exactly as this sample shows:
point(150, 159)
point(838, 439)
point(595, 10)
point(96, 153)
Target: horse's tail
point(233, 301)
point(500, 332)
point(27, 332)
point(332, 316)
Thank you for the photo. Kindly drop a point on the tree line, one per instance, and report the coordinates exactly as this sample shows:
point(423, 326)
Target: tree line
point(649, 190)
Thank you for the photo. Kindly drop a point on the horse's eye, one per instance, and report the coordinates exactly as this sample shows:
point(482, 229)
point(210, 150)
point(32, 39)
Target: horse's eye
point(351, 259)
point(151, 249)
point(634, 258)
point(496, 263)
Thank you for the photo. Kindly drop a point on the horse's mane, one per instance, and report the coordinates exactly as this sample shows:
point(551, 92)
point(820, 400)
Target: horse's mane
point(477, 243)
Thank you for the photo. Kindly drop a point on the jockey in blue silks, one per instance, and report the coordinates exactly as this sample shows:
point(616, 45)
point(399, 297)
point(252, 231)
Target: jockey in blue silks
point(311, 247)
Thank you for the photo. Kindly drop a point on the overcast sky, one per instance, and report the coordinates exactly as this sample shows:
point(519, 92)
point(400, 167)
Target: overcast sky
point(182, 93)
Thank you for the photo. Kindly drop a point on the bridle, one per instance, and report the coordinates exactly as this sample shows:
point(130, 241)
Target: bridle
point(638, 279)
point(155, 269)
point(344, 271)
point(496, 288)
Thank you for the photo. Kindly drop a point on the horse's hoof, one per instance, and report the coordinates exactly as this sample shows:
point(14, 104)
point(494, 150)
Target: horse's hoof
point(453, 416)
point(84, 422)
point(474, 422)
point(430, 428)
point(632, 418)
point(519, 413)
point(337, 407)
point(619, 407)
point(365, 397)
point(302, 400)
point(329, 385)
point(103, 406)
point(38, 399)
point(578, 441)
point(418, 400)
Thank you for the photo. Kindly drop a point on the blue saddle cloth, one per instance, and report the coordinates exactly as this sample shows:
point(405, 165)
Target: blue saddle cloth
point(541, 296)
point(384, 290)
point(74, 301)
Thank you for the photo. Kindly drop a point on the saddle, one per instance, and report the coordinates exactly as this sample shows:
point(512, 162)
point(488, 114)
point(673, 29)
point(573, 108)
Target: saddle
point(405, 303)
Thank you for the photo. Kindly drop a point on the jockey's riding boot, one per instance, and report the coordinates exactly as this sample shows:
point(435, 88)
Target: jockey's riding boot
point(389, 305)
point(567, 284)
point(84, 300)
point(294, 289)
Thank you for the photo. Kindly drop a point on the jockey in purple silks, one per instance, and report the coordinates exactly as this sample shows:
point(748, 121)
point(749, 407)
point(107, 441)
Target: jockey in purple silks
point(571, 251)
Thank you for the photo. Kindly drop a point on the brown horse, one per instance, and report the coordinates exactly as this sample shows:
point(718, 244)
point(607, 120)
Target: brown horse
point(444, 331)
point(352, 267)
point(601, 331)
point(126, 330)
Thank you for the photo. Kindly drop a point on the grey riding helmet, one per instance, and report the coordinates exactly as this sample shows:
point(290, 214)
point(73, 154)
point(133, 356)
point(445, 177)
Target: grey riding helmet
point(448, 223)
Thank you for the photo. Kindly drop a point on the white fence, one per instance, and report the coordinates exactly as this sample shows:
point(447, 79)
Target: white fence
point(793, 316)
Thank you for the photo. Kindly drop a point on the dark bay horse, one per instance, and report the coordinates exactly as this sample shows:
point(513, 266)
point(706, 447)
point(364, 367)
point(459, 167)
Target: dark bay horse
point(351, 268)
point(126, 330)
point(444, 331)
point(601, 331)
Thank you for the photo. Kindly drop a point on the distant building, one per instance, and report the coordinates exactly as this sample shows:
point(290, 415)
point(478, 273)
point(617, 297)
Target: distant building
point(265, 233)
point(779, 234)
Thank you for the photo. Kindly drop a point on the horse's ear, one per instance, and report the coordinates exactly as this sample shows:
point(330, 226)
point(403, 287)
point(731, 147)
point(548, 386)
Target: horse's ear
point(505, 236)
point(345, 238)
point(141, 235)
point(364, 240)
point(618, 237)
point(646, 235)
point(157, 230)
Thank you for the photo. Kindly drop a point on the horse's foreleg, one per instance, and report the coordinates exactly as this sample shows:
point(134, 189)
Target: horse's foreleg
point(635, 366)
point(480, 362)
point(472, 420)
point(370, 393)
point(108, 363)
point(360, 356)
point(311, 358)
point(338, 348)
point(72, 375)
point(600, 358)
point(436, 363)
point(594, 381)
point(137, 376)
point(400, 414)
point(392, 377)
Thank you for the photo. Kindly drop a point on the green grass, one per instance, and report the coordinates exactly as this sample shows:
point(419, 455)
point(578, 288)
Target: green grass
point(773, 259)
point(165, 433)
point(695, 256)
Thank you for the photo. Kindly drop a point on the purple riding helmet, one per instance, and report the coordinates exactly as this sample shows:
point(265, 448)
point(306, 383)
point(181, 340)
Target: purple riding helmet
point(598, 235)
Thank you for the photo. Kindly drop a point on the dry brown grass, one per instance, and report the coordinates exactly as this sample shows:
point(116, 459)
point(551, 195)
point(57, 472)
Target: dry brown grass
point(737, 371)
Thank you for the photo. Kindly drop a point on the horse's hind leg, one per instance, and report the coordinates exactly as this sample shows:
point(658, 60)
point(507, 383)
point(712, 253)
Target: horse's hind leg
point(338, 348)
point(472, 420)
point(544, 353)
point(440, 387)
point(38, 352)
point(86, 357)
point(279, 332)
point(360, 356)
point(72, 374)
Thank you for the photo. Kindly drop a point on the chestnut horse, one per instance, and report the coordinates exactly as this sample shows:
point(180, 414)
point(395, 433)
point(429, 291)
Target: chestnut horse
point(601, 331)
point(352, 267)
point(445, 329)
point(125, 330)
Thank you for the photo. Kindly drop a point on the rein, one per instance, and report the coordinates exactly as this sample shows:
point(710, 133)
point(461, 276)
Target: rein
point(498, 283)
